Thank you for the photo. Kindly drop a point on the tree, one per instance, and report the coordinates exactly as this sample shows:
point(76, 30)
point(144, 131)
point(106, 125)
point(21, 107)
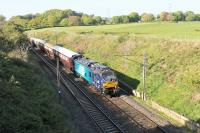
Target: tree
point(116, 20)
point(177, 16)
point(53, 17)
point(12, 38)
point(120, 19)
point(190, 16)
point(164, 16)
point(98, 20)
point(28, 16)
point(36, 22)
point(19, 21)
point(64, 22)
point(147, 17)
point(134, 17)
point(52, 20)
point(125, 19)
point(87, 20)
point(2, 18)
point(197, 17)
point(43, 22)
point(74, 20)
point(69, 12)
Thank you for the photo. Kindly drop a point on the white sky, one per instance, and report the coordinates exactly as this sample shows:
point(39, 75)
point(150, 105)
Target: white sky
point(104, 8)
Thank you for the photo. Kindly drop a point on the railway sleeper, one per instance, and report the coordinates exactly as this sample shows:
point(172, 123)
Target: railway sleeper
point(101, 120)
point(92, 110)
point(111, 130)
point(99, 117)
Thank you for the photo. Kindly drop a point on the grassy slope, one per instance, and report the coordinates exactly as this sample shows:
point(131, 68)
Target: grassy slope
point(173, 64)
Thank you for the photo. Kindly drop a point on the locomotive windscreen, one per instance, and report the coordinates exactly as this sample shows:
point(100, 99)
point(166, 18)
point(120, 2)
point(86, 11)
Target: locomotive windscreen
point(108, 76)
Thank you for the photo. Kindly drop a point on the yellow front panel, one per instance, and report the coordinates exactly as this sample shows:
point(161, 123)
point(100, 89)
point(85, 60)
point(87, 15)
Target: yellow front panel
point(110, 84)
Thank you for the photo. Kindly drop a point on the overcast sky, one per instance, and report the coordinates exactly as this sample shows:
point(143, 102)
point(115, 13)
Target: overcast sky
point(104, 8)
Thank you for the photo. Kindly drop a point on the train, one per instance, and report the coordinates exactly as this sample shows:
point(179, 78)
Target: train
point(100, 76)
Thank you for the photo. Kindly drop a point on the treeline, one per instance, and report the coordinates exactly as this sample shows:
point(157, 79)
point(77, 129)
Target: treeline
point(68, 17)
point(27, 100)
point(163, 16)
point(55, 17)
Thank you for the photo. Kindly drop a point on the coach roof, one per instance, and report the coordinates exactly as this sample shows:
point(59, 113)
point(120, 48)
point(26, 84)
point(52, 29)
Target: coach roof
point(36, 40)
point(49, 45)
point(65, 51)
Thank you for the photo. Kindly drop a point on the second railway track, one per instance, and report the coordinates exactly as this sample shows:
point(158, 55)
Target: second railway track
point(133, 115)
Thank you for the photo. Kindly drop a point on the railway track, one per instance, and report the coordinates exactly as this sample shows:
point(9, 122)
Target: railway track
point(96, 112)
point(133, 115)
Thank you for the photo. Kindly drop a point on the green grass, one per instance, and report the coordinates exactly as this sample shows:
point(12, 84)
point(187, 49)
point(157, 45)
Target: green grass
point(173, 63)
point(181, 30)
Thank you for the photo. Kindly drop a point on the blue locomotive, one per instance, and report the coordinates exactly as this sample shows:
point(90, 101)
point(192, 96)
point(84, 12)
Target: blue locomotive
point(100, 76)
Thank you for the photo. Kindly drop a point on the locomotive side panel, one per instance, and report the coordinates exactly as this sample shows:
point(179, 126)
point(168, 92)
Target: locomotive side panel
point(83, 71)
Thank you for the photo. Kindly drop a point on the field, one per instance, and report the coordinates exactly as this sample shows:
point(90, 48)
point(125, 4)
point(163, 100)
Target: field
point(181, 30)
point(172, 50)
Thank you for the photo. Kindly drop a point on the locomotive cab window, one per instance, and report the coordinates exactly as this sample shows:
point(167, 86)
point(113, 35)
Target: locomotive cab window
point(108, 76)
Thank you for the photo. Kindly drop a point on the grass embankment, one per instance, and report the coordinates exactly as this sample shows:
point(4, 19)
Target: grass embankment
point(173, 64)
point(28, 100)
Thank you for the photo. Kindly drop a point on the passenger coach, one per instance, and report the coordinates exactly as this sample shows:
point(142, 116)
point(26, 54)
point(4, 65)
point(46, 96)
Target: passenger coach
point(66, 57)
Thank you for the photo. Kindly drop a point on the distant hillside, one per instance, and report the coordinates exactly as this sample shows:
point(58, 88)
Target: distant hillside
point(172, 50)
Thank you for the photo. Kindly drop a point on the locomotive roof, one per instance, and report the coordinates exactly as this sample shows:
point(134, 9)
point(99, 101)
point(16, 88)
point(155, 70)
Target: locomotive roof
point(86, 62)
point(96, 67)
point(65, 51)
point(100, 68)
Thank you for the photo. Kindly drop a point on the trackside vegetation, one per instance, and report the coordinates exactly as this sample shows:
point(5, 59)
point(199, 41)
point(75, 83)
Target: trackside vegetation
point(28, 100)
point(172, 50)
